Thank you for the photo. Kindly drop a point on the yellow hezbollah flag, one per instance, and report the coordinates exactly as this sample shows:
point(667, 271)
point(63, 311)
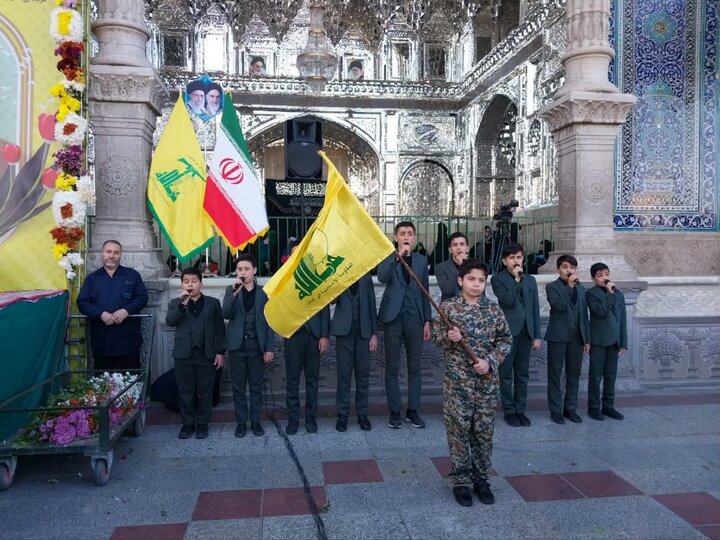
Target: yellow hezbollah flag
point(176, 187)
point(343, 244)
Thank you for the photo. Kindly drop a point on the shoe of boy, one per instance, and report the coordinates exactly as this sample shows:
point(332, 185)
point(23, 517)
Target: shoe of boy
point(202, 431)
point(257, 429)
point(595, 415)
point(240, 431)
point(512, 419)
point(292, 427)
point(557, 418)
point(341, 424)
point(364, 423)
point(413, 418)
point(186, 432)
point(572, 416)
point(310, 424)
point(524, 420)
point(482, 489)
point(395, 422)
point(462, 495)
point(612, 413)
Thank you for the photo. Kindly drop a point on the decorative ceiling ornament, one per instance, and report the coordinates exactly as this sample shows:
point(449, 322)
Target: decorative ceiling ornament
point(277, 14)
point(196, 9)
point(318, 61)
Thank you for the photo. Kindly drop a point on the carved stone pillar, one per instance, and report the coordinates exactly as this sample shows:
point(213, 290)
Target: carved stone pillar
point(584, 118)
point(125, 99)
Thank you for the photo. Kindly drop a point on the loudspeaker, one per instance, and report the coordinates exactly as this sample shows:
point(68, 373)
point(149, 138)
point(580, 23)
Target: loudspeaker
point(303, 139)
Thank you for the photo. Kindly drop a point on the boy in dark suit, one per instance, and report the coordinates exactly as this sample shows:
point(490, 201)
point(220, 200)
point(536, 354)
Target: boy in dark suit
point(608, 339)
point(198, 351)
point(517, 295)
point(447, 272)
point(355, 326)
point(302, 353)
point(568, 337)
point(249, 342)
point(406, 316)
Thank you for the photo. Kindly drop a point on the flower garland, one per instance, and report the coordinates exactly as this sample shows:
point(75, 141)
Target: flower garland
point(75, 189)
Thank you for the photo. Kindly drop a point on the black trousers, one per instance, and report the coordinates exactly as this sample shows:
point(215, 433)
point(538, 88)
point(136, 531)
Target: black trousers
point(117, 363)
point(195, 377)
point(352, 355)
point(247, 369)
point(515, 370)
point(566, 355)
point(406, 328)
point(603, 368)
point(302, 355)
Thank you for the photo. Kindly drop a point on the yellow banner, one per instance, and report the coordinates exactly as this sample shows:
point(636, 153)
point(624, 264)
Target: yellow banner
point(28, 68)
point(176, 187)
point(342, 245)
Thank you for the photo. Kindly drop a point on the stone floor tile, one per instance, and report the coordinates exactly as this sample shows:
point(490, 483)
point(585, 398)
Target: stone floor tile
point(224, 529)
point(245, 503)
point(171, 531)
point(697, 508)
point(543, 487)
point(351, 472)
point(600, 484)
point(291, 501)
point(711, 531)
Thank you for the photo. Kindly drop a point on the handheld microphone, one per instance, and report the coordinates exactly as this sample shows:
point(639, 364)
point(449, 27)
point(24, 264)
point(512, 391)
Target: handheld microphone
point(520, 272)
point(611, 288)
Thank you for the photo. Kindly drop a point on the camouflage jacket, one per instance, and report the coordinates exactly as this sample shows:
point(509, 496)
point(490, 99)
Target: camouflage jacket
point(484, 329)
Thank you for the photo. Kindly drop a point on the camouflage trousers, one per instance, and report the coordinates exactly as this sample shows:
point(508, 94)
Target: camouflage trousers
point(469, 411)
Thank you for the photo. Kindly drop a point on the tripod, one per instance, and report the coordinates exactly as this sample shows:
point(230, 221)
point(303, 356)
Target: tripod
point(500, 239)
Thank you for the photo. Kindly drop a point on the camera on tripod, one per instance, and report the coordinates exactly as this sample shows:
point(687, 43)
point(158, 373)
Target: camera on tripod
point(505, 212)
point(503, 233)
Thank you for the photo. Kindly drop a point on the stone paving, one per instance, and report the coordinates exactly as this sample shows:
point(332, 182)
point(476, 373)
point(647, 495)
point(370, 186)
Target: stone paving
point(654, 475)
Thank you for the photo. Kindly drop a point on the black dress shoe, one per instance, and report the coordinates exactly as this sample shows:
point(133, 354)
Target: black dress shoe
point(512, 419)
point(310, 424)
point(240, 431)
point(292, 427)
point(612, 413)
point(413, 418)
point(202, 431)
point(257, 429)
point(595, 415)
point(572, 416)
point(524, 420)
point(462, 495)
point(557, 418)
point(482, 489)
point(186, 432)
point(364, 423)
point(341, 424)
point(395, 422)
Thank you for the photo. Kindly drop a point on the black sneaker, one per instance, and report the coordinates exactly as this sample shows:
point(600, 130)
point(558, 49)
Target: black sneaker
point(482, 489)
point(412, 417)
point(572, 416)
point(612, 413)
point(341, 424)
point(595, 415)
point(257, 429)
point(186, 432)
point(557, 418)
point(395, 422)
point(310, 424)
point(524, 420)
point(292, 427)
point(462, 495)
point(364, 423)
point(240, 431)
point(202, 431)
point(512, 419)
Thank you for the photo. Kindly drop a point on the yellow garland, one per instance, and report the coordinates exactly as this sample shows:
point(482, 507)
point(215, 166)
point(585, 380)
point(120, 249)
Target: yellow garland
point(65, 182)
point(59, 250)
point(68, 104)
point(59, 2)
point(64, 19)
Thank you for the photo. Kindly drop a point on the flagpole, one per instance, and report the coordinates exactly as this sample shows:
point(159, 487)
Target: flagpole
point(443, 316)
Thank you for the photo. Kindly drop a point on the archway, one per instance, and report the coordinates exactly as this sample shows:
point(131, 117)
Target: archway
point(426, 189)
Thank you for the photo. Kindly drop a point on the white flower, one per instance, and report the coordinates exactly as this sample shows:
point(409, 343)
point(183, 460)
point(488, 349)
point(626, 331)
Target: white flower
point(74, 28)
point(86, 188)
point(68, 262)
point(74, 86)
point(77, 137)
point(60, 199)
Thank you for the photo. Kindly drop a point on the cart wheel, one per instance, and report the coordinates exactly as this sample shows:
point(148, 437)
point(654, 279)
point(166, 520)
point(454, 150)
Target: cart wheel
point(139, 424)
point(6, 477)
point(102, 471)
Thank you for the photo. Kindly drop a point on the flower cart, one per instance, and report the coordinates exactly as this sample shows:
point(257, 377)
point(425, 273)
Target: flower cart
point(85, 412)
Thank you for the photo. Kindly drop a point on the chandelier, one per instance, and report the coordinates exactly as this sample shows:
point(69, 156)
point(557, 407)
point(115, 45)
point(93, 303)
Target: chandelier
point(318, 60)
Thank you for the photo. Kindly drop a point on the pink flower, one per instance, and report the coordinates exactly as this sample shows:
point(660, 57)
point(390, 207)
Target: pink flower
point(46, 126)
point(11, 153)
point(49, 178)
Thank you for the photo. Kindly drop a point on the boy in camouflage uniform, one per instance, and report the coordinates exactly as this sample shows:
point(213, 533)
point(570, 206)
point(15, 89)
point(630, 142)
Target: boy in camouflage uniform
point(469, 398)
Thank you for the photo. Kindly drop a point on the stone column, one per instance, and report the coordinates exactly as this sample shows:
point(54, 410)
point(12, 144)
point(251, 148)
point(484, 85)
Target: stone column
point(584, 118)
point(125, 99)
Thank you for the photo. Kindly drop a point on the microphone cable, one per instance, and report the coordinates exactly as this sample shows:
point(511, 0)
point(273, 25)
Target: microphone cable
point(270, 409)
